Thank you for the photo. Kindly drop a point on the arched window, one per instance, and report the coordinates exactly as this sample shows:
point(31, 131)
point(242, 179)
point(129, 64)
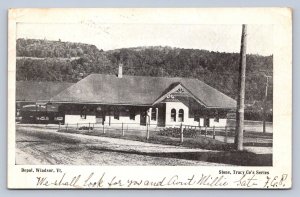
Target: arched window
point(181, 115)
point(173, 115)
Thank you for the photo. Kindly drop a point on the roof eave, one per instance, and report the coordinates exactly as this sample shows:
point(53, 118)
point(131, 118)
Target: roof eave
point(220, 107)
point(99, 103)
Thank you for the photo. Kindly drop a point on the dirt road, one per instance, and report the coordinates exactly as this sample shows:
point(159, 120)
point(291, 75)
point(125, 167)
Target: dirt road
point(45, 146)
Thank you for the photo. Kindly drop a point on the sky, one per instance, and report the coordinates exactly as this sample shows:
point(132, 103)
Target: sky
point(222, 38)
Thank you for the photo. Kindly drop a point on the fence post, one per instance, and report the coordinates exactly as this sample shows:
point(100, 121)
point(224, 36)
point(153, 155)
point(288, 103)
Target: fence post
point(148, 134)
point(58, 125)
point(214, 134)
point(181, 133)
point(205, 130)
point(89, 127)
point(103, 128)
point(122, 130)
point(225, 134)
point(77, 126)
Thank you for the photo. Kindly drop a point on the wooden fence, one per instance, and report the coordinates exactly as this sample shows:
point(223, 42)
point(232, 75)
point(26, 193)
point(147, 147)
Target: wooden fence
point(149, 130)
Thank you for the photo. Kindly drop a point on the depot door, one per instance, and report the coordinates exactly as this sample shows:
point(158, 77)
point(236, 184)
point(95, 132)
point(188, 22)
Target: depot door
point(100, 117)
point(206, 122)
point(143, 118)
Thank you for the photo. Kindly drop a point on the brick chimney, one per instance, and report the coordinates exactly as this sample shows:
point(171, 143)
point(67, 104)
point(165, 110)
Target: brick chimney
point(120, 73)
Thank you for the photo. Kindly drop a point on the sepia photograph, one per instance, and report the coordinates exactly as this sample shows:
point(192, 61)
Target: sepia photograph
point(96, 93)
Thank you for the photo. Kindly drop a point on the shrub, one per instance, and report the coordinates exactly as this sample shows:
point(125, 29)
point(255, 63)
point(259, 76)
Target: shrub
point(85, 128)
point(175, 132)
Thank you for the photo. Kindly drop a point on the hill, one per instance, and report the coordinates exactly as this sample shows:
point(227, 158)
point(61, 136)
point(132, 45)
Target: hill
point(43, 60)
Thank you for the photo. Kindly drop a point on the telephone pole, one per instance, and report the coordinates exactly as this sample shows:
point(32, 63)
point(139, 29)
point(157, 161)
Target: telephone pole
point(241, 95)
point(265, 103)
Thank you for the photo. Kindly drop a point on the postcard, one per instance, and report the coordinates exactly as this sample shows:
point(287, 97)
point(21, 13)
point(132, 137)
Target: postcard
point(150, 98)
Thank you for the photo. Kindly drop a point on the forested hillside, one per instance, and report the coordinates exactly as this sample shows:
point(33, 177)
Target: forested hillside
point(42, 60)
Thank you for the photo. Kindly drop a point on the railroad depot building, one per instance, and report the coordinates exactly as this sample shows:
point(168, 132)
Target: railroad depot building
point(141, 100)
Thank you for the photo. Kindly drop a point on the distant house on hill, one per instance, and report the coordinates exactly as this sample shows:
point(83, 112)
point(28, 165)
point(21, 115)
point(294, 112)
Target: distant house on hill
point(141, 100)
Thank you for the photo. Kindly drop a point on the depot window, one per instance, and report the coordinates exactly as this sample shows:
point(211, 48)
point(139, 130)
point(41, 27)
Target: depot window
point(173, 115)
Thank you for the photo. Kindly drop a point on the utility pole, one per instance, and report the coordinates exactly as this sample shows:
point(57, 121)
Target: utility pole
point(241, 95)
point(265, 103)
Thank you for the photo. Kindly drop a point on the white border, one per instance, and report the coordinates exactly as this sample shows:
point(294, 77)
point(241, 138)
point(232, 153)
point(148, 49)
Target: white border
point(279, 17)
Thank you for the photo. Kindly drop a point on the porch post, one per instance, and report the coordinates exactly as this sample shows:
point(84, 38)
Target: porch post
point(148, 134)
point(225, 134)
point(181, 133)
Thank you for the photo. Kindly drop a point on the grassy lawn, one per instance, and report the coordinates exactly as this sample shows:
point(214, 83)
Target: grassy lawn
point(171, 136)
point(197, 142)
